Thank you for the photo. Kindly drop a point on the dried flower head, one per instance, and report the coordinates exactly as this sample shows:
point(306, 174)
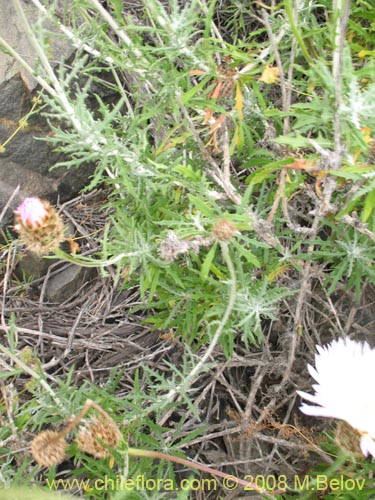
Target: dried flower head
point(48, 448)
point(344, 370)
point(91, 437)
point(172, 246)
point(39, 225)
point(223, 230)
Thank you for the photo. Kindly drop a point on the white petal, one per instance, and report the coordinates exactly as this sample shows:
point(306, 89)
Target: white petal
point(308, 397)
point(319, 411)
point(313, 372)
point(367, 445)
point(342, 373)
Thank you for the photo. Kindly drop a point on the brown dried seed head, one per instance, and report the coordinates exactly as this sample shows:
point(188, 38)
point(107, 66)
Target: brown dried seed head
point(90, 437)
point(48, 448)
point(223, 230)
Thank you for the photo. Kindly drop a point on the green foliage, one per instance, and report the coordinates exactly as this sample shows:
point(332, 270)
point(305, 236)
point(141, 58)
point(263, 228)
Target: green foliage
point(350, 259)
point(165, 185)
point(345, 479)
point(186, 134)
point(148, 152)
point(31, 494)
point(135, 415)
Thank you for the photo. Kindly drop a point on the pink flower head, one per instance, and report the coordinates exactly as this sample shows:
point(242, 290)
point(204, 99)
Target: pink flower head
point(31, 211)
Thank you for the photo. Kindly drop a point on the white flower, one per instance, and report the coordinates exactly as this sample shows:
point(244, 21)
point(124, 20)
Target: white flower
point(345, 371)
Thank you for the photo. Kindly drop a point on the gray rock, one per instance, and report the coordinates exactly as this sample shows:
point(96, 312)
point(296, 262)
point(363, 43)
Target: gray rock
point(32, 267)
point(13, 32)
point(27, 160)
point(65, 283)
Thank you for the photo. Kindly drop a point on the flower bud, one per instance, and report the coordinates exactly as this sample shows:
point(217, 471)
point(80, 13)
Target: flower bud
point(39, 225)
point(223, 230)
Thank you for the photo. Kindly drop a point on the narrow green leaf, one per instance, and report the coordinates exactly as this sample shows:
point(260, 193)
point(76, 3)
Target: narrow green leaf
point(201, 205)
point(206, 265)
point(368, 206)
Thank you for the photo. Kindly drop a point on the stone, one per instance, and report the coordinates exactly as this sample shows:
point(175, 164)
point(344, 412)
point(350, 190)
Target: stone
point(12, 30)
point(27, 160)
point(66, 282)
point(61, 283)
point(26, 164)
point(32, 267)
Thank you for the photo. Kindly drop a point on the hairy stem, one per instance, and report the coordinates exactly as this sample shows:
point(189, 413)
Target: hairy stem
point(189, 380)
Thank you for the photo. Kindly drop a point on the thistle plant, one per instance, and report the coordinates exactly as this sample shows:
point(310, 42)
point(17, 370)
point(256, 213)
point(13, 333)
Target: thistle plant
point(239, 167)
point(198, 108)
point(167, 194)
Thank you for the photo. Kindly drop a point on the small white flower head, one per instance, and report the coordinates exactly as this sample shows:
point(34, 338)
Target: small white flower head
point(344, 372)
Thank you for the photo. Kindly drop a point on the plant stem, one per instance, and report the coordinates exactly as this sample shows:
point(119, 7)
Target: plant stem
point(204, 468)
point(232, 298)
point(341, 13)
point(28, 68)
point(87, 262)
point(119, 30)
point(58, 91)
point(88, 405)
point(289, 12)
point(80, 261)
point(32, 373)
